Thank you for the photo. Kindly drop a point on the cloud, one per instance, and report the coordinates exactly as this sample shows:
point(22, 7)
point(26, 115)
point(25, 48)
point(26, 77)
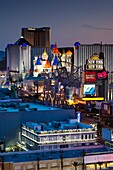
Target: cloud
point(96, 28)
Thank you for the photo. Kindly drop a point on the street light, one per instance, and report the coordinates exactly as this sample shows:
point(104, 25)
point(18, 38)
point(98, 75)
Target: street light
point(75, 164)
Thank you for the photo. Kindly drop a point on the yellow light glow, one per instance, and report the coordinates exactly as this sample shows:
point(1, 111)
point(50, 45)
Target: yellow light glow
point(93, 98)
point(70, 102)
point(80, 101)
point(95, 57)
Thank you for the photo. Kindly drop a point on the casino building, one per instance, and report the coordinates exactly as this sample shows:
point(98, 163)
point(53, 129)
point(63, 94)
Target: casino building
point(84, 51)
point(95, 78)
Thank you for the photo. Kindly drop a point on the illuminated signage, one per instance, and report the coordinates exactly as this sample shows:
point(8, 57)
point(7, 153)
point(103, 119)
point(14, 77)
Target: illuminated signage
point(78, 116)
point(31, 29)
point(89, 89)
point(94, 63)
point(40, 89)
point(102, 75)
point(92, 98)
point(90, 76)
point(98, 158)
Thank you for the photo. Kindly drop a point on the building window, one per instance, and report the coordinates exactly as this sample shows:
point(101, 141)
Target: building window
point(17, 168)
point(43, 165)
point(29, 166)
point(85, 136)
point(65, 163)
point(81, 136)
point(54, 164)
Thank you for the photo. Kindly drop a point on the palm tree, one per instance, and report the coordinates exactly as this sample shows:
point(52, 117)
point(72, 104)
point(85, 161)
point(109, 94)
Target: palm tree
point(75, 165)
point(100, 163)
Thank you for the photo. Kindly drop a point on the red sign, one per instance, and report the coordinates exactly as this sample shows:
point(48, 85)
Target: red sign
point(90, 76)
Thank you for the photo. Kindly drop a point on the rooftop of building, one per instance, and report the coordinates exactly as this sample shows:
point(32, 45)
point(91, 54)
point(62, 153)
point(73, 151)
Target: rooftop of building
point(51, 155)
point(54, 126)
point(36, 29)
point(16, 105)
point(22, 41)
point(9, 104)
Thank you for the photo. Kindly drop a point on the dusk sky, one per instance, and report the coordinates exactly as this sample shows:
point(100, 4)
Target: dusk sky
point(85, 21)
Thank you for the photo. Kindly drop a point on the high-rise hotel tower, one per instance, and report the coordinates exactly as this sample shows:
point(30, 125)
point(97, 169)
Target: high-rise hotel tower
point(37, 37)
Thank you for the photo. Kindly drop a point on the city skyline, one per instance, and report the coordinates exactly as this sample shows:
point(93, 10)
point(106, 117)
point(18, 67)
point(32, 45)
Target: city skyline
point(82, 21)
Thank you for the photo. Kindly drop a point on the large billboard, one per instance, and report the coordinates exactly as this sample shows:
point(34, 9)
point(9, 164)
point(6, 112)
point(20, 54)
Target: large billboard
point(90, 76)
point(89, 89)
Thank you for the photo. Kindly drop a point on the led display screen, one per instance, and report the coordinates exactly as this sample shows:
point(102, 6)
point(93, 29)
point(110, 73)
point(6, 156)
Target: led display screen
point(89, 89)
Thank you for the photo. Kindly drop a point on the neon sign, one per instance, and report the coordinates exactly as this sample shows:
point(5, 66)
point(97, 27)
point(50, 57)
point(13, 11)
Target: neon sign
point(102, 75)
point(95, 63)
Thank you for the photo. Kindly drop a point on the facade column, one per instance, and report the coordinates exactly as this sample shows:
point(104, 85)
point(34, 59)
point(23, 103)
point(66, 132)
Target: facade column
point(95, 165)
point(24, 167)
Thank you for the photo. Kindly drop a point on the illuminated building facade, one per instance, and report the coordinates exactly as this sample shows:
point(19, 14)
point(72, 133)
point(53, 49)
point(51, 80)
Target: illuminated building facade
point(95, 77)
point(56, 135)
point(82, 53)
point(67, 57)
point(37, 37)
point(19, 56)
point(23, 58)
point(41, 64)
point(48, 90)
point(95, 158)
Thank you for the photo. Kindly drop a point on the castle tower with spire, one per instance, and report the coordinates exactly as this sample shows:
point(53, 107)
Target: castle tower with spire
point(41, 64)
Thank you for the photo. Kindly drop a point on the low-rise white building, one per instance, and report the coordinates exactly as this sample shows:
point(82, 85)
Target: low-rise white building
point(57, 134)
